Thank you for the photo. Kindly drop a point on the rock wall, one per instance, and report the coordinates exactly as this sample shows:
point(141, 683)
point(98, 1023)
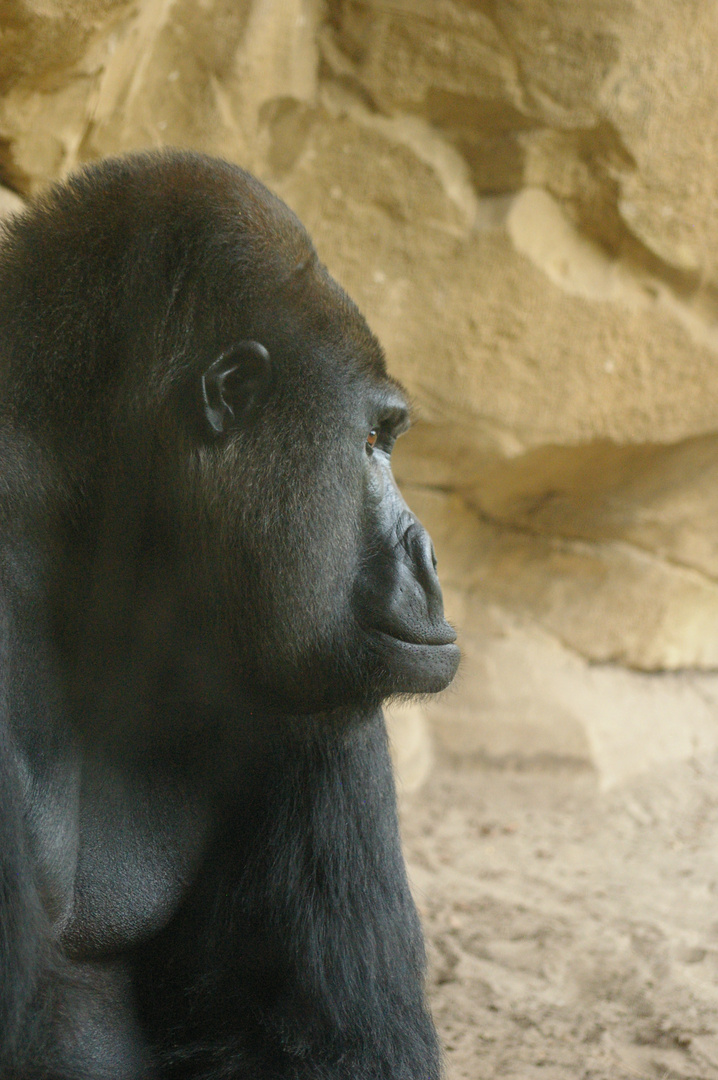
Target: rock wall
point(520, 195)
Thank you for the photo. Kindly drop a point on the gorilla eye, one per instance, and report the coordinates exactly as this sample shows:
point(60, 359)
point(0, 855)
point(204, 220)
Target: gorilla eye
point(371, 440)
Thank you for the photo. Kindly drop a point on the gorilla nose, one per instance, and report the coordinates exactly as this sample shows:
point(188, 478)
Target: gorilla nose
point(414, 605)
point(422, 558)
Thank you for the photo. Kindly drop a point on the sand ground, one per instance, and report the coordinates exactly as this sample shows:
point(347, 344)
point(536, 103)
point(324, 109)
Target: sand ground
point(572, 933)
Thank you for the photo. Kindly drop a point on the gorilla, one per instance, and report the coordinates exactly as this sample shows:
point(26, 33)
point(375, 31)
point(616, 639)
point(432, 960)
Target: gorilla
point(209, 583)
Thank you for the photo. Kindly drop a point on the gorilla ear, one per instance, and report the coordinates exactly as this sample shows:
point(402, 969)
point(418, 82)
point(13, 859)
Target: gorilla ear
point(235, 386)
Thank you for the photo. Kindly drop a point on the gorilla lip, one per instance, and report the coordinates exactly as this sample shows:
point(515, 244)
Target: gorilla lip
point(439, 641)
point(439, 662)
point(443, 652)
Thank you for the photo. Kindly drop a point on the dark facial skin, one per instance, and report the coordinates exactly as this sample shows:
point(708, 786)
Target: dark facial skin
point(397, 593)
point(209, 582)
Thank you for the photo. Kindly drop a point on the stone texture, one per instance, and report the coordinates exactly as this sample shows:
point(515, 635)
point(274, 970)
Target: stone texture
point(528, 701)
point(521, 196)
point(610, 602)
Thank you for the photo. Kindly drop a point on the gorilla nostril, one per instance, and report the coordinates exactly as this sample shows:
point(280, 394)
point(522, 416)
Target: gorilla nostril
point(420, 549)
point(404, 527)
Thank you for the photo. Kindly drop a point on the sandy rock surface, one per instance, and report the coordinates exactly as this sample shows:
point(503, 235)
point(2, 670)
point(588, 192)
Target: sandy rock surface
point(572, 935)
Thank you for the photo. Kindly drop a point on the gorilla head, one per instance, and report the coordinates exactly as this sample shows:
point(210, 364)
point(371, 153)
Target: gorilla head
point(216, 422)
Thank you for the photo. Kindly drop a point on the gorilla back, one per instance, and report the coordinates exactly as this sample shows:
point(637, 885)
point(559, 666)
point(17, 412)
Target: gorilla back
point(209, 582)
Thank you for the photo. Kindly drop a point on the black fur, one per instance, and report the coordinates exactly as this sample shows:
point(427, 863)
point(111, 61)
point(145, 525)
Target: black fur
point(208, 584)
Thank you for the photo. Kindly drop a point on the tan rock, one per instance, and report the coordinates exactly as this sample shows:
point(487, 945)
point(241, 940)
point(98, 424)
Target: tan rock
point(534, 336)
point(524, 700)
point(582, 99)
point(608, 601)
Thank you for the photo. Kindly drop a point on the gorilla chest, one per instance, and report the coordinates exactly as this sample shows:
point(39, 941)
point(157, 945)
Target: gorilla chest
point(140, 840)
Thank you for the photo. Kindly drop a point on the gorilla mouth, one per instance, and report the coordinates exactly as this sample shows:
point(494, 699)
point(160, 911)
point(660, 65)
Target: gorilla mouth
point(438, 637)
point(421, 665)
